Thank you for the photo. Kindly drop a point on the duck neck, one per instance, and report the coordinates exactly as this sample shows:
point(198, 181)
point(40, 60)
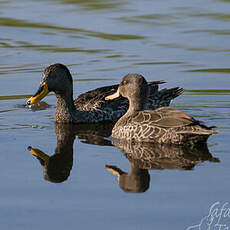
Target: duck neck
point(135, 106)
point(137, 100)
point(65, 107)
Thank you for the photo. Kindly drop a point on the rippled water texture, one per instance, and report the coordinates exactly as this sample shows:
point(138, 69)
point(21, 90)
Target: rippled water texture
point(185, 43)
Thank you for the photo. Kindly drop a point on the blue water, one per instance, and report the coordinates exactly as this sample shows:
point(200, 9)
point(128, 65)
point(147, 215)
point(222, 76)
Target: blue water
point(184, 43)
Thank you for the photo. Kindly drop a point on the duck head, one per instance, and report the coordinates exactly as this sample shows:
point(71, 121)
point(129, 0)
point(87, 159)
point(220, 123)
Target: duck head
point(132, 85)
point(56, 78)
point(135, 88)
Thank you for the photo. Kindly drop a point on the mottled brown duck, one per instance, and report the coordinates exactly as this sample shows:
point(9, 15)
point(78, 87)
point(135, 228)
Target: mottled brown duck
point(163, 125)
point(91, 107)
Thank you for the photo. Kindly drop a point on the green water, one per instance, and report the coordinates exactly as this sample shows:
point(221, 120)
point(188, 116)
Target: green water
point(185, 43)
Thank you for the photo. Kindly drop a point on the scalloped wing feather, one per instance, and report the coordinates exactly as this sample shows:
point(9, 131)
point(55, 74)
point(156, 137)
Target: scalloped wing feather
point(163, 117)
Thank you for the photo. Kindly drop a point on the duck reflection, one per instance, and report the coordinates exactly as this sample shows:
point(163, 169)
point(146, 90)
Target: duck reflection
point(57, 168)
point(94, 133)
point(136, 181)
point(145, 156)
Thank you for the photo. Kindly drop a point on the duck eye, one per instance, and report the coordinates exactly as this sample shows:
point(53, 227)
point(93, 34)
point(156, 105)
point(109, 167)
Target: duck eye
point(124, 82)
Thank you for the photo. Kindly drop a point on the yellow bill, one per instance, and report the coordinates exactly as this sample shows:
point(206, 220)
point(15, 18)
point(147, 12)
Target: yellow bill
point(113, 96)
point(41, 93)
point(40, 155)
point(114, 170)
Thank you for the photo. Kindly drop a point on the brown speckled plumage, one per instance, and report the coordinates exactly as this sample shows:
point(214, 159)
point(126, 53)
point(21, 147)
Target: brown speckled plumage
point(91, 107)
point(163, 125)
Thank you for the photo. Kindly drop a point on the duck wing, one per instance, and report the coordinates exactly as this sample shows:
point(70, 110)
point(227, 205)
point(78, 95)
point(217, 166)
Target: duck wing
point(165, 117)
point(158, 98)
point(95, 99)
point(163, 125)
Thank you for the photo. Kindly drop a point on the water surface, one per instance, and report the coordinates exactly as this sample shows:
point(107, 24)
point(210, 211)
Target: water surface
point(184, 43)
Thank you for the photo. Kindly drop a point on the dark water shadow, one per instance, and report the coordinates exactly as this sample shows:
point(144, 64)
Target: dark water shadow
point(148, 156)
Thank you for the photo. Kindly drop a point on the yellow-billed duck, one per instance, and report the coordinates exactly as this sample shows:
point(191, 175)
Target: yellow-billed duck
point(163, 125)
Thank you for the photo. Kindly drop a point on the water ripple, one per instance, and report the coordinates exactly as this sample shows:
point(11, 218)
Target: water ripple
point(11, 22)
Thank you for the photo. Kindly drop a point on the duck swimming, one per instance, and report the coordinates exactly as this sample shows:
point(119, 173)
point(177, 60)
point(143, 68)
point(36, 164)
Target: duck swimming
point(163, 125)
point(91, 107)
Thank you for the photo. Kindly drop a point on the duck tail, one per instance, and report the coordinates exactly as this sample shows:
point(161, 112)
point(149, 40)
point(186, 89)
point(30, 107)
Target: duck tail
point(209, 130)
point(166, 95)
point(201, 130)
point(156, 82)
point(174, 92)
point(204, 129)
point(197, 135)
